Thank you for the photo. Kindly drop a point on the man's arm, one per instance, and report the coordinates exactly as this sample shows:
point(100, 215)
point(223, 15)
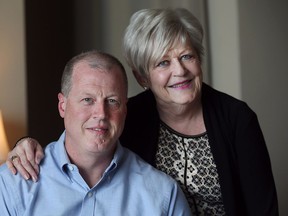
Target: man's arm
point(178, 203)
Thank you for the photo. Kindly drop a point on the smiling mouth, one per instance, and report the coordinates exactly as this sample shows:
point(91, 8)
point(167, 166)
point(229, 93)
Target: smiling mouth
point(96, 129)
point(99, 130)
point(179, 85)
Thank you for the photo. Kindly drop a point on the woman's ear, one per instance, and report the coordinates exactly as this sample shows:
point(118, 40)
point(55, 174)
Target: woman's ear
point(142, 80)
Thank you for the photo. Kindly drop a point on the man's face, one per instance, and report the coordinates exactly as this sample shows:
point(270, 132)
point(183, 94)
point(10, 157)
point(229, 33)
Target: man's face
point(94, 111)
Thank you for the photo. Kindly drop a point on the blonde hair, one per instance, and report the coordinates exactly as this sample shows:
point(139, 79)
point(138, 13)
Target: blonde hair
point(152, 32)
point(96, 59)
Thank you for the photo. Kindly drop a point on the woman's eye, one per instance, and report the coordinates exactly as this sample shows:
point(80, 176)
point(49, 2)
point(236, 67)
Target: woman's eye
point(163, 63)
point(187, 57)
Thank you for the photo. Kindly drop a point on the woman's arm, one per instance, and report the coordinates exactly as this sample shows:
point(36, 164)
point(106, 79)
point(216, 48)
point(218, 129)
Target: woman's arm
point(254, 167)
point(25, 158)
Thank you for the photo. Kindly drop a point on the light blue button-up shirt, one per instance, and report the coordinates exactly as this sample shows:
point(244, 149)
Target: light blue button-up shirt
point(129, 186)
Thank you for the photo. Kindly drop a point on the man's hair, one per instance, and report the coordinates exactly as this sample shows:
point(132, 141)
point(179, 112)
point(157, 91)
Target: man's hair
point(95, 59)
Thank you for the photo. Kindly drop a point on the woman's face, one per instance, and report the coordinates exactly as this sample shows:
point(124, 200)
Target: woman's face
point(177, 77)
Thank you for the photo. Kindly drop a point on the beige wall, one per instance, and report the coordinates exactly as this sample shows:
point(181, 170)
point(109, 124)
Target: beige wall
point(224, 46)
point(249, 61)
point(263, 42)
point(12, 69)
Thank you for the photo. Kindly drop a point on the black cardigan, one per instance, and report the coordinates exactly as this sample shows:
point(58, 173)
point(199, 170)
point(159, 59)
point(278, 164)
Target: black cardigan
point(236, 141)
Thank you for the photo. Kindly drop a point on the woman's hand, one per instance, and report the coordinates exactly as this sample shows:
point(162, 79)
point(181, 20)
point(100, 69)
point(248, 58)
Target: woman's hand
point(25, 158)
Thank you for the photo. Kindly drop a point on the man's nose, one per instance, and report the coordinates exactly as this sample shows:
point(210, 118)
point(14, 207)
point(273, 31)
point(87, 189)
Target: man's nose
point(99, 110)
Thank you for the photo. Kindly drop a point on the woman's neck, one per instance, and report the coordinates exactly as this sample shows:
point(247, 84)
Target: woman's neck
point(186, 119)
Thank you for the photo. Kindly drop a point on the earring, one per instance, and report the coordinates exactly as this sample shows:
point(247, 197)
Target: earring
point(145, 88)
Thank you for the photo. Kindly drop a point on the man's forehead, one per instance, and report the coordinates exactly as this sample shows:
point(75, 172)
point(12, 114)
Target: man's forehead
point(83, 69)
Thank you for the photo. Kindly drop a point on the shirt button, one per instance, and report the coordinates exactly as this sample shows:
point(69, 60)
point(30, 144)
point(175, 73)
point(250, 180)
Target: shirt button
point(71, 168)
point(90, 194)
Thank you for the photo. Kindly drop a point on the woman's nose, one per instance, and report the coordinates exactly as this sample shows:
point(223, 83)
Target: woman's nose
point(178, 68)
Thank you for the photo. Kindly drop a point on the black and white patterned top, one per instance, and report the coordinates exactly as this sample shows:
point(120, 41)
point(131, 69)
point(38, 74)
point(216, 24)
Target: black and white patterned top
point(189, 160)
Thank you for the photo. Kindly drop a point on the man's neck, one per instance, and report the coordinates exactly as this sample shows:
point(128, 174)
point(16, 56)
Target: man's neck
point(93, 173)
point(91, 166)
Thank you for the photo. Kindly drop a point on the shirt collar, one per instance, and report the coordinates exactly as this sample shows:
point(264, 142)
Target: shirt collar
point(64, 159)
point(63, 156)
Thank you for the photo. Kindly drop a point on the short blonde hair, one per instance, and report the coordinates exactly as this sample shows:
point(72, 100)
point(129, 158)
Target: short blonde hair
point(152, 32)
point(95, 59)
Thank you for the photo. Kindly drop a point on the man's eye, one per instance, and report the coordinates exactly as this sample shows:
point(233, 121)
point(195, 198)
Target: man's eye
point(88, 100)
point(113, 103)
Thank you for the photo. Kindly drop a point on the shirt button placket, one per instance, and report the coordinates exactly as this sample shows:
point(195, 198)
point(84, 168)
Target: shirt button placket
point(88, 204)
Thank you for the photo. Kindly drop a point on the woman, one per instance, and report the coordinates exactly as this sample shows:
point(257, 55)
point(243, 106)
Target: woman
point(207, 140)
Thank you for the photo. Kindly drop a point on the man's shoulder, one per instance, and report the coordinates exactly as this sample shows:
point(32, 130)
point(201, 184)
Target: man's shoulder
point(7, 177)
point(51, 151)
point(138, 165)
point(4, 171)
point(9, 181)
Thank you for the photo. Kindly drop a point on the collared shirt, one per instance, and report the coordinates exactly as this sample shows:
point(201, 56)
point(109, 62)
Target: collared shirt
point(129, 186)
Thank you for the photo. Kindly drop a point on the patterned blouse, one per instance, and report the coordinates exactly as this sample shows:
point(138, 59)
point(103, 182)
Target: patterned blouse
point(189, 160)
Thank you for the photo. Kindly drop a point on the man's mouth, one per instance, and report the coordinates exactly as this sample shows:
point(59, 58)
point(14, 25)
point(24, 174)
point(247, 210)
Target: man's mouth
point(98, 130)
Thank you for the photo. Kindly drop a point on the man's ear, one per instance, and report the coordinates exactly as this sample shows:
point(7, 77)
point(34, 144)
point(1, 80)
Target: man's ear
point(61, 104)
point(142, 80)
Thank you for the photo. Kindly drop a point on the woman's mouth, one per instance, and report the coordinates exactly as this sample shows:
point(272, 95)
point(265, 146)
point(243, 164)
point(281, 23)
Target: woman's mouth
point(181, 84)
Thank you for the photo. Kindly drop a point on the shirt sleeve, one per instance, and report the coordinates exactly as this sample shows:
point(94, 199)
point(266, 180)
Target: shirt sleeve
point(178, 205)
point(8, 195)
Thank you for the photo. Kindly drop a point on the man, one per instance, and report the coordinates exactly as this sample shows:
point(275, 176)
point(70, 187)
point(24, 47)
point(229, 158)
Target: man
point(87, 171)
